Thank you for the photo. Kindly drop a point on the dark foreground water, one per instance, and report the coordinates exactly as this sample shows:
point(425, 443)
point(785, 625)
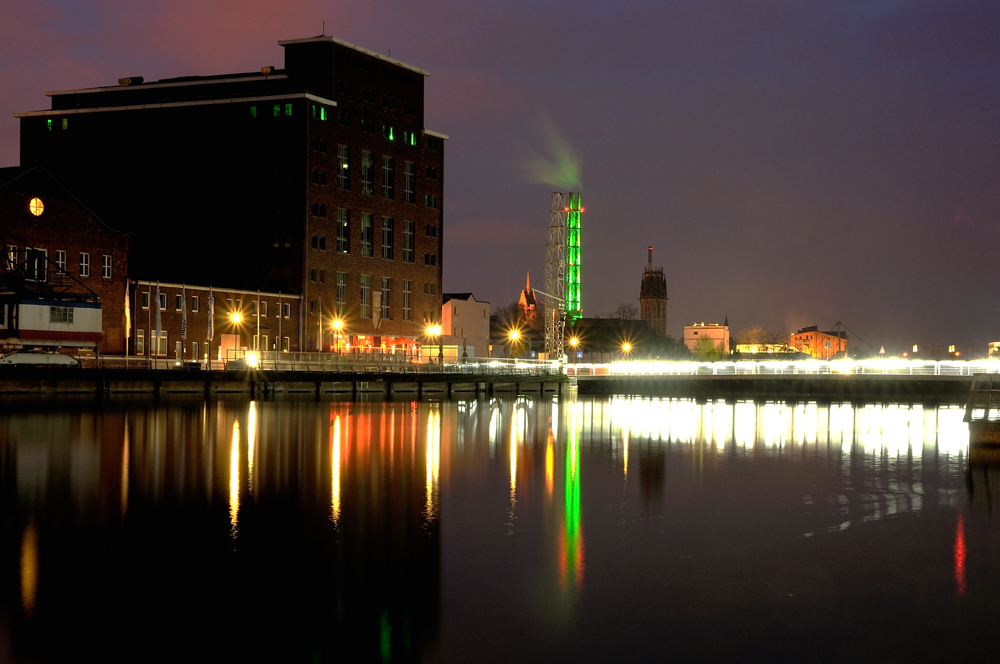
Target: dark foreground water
point(495, 531)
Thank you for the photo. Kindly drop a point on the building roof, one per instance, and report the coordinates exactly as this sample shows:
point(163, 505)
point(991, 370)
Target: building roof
point(460, 296)
point(360, 49)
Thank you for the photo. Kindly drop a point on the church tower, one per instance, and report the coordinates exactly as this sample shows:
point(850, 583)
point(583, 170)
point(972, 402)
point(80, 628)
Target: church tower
point(527, 304)
point(653, 298)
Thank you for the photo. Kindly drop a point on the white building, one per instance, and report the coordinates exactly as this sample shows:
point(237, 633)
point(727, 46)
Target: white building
point(718, 334)
point(465, 323)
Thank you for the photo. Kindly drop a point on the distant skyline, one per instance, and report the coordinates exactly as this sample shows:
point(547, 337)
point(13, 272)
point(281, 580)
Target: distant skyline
point(792, 164)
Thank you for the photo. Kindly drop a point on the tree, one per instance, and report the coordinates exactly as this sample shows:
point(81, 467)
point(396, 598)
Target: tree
point(706, 349)
point(625, 311)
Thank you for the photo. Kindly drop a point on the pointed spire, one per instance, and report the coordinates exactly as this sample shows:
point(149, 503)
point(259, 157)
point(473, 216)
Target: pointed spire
point(727, 320)
point(527, 280)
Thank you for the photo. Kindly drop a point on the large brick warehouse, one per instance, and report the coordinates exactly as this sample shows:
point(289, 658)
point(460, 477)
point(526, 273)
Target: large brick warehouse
point(317, 179)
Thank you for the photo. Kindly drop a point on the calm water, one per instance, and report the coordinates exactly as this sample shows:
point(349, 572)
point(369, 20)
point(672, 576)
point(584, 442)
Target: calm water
point(499, 531)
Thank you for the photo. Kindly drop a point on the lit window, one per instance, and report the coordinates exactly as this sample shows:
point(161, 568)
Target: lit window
point(343, 230)
point(194, 303)
point(36, 207)
point(343, 163)
point(431, 201)
point(341, 293)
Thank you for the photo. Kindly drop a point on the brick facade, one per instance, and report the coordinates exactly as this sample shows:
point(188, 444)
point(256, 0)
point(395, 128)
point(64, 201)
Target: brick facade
point(96, 256)
point(233, 180)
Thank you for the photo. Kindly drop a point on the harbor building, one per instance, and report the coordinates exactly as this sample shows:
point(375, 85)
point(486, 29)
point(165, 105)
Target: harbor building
point(317, 179)
point(820, 344)
point(717, 335)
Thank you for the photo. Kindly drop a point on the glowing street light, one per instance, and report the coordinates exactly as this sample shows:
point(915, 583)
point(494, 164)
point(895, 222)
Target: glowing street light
point(626, 348)
point(236, 318)
point(338, 325)
point(435, 331)
point(574, 342)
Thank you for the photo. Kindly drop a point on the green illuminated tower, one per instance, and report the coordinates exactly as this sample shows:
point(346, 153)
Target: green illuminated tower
point(574, 308)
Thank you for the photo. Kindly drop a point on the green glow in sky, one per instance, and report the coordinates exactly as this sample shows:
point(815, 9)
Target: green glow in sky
point(559, 166)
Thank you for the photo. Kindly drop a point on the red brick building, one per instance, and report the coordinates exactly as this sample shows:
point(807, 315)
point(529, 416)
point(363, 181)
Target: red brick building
point(317, 179)
point(57, 250)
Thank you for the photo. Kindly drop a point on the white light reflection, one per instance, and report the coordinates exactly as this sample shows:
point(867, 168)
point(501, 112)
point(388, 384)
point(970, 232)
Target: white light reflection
point(432, 458)
point(234, 479)
point(335, 469)
point(251, 443)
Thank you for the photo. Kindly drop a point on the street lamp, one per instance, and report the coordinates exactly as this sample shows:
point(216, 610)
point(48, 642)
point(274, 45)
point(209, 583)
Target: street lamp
point(435, 331)
point(626, 348)
point(515, 335)
point(236, 318)
point(338, 325)
point(573, 343)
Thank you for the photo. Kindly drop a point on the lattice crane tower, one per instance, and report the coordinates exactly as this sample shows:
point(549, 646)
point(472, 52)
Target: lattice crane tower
point(555, 277)
point(562, 269)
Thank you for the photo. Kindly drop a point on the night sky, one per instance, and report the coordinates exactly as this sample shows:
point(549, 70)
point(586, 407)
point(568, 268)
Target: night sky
point(791, 163)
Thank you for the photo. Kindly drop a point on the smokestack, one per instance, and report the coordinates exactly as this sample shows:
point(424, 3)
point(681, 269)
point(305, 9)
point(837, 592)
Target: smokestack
point(650, 257)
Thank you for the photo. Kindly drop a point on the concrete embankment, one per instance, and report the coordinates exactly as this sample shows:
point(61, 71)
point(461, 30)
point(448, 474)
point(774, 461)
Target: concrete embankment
point(105, 382)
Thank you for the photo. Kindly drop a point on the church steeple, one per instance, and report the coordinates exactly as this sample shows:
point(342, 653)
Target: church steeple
point(653, 297)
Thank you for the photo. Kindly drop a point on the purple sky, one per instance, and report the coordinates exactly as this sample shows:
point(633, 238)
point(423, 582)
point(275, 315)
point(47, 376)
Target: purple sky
point(792, 163)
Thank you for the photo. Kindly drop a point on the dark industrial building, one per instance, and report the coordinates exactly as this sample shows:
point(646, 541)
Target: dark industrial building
point(317, 179)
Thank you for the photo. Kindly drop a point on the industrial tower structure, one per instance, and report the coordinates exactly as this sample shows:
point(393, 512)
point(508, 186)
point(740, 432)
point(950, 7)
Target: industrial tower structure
point(562, 270)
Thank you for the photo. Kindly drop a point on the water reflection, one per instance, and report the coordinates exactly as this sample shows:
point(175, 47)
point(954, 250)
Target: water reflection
point(327, 518)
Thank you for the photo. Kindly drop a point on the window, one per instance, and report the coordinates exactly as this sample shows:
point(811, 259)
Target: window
point(431, 230)
point(287, 345)
point(288, 109)
point(318, 242)
point(106, 266)
point(430, 289)
point(409, 182)
point(194, 349)
point(366, 172)
point(410, 137)
point(343, 230)
point(162, 301)
point(178, 302)
point(194, 303)
point(263, 344)
point(319, 145)
point(253, 111)
point(388, 132)
point(430, 259)
point(407, 301)
point(431, 201)
point(84, 265)
point(263, 308)
point(61, 260)
point(343, 161)
point(341, 293)
point(145, 300)
point(432, 143)
point(35, 264)
point(386, 283)
point(366, 296)
point(318, 210)
point(431, 172)
point(140, 342)
point(366, 234)
point(387, 233)
point(286, 313)
point(319, 177)
point(161, 348)
point(388, 177)
point(345, 120)
point(253, 309)
point(60, 314)
point(277, 110)
point(408, 242)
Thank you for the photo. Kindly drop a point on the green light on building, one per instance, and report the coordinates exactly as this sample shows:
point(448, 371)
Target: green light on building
point(574, 307)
